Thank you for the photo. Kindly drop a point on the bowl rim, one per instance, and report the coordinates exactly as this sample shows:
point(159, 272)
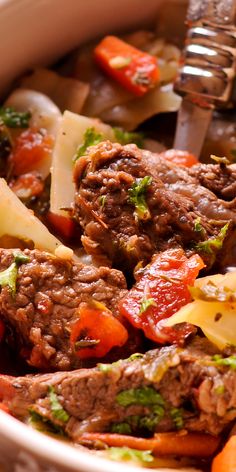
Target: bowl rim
point(44, 447)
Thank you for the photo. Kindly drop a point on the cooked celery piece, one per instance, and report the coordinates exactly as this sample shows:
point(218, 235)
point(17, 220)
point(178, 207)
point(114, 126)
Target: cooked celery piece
point(70, 136)
point(16, 220)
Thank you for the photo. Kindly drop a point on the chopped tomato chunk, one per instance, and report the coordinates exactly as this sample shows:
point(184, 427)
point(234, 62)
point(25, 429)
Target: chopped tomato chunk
point(179, 158)
point(135, 70)
point(31, 149)
point(27, 185)
point(96, 331)
point(62, 224)
point(160, 292)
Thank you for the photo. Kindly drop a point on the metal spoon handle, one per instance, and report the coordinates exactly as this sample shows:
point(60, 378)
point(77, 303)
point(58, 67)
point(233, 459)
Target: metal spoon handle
point(209, 63)
point(219, 12)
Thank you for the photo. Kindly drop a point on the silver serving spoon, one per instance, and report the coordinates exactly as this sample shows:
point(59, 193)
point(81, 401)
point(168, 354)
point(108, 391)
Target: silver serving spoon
point(209, 64)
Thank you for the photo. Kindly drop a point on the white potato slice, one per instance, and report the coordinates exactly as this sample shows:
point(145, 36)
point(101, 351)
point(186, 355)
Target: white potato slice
point(70, 136)
point(18, 221)
point(216, 319)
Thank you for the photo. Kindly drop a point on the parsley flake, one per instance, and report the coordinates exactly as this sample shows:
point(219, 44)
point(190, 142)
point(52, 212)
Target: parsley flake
point(225, 361)
point(177, 417)
point(57, 409)
point(13, 118)
point(197, 225)
point(145, 304)
point(137, 197)
point(146, 396)
point(213, 244)
point(127, 137)
point(128, 454)
point(8, 276)
point(91, 138)
point(102, 200)
point(121, 428)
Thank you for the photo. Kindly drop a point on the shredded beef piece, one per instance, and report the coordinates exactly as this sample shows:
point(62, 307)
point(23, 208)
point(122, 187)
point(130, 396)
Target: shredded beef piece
point(188, 380)
point(114, 234)
point(44, 308)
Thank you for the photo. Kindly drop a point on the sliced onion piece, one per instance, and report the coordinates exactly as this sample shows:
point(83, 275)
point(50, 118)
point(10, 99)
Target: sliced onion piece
point(66, 92)
point(45, 114)
point(18, 221)
point(133, 113)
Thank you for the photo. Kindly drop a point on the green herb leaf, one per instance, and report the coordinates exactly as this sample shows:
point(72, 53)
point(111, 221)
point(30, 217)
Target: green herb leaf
point(146, 396)
point(21, 258)
point(13, 118)
point(225, 361)
point(43, 424)
point(197, 225)
point(134, 357)
point(126, 137)
point(137, 197)
point(177, 417)
point(121, 428)
point(102, 200)
point(145, 304)
point(128, 454)
point(57, 409)
point(150, 422)
point(8, 277)
point(214, 244)
point(91, 138)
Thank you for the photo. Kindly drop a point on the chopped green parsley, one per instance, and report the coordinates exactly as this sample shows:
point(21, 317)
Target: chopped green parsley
point(225, 361)
point(91, 138)
point(128, 454)
point(13, 118)
point(177, 417)
point(146, 396)
point(137, 197)
point(126, 137)
point(213, 245)
point(56, 408)
point(8, 276)
point(145, 304)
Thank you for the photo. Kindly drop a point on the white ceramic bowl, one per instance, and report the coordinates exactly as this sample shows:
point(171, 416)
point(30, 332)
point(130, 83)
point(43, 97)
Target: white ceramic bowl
point(34, 32)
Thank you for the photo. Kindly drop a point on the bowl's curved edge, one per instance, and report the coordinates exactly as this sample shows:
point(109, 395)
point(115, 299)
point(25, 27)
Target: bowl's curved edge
point(44, 453)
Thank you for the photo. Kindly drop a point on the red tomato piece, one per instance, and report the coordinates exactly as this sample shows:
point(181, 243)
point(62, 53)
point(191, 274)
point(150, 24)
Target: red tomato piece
point(179, 158)
point(98, 328)
point(27, 185)
point(62, 224)
point(160, 292)
point(135, 70)
point(30, 150)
